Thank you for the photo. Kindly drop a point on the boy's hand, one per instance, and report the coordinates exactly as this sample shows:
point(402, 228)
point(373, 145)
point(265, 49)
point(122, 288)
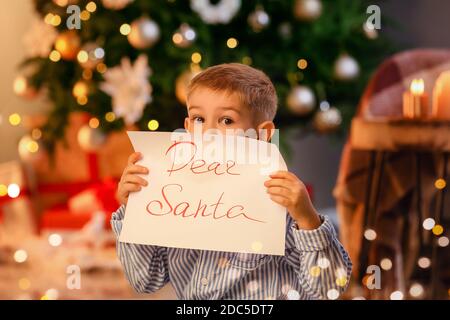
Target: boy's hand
point(289, 191)
point(130, 180)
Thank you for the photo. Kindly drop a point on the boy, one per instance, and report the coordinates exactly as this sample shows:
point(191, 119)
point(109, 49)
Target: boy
point(315, 265)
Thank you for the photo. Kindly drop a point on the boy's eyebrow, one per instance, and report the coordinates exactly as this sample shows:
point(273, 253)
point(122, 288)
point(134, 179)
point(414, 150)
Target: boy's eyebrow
point(193, 107)
point(231, 108)
point(222, 108)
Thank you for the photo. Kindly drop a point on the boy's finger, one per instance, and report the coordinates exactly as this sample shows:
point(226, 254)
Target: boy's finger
point(135, 179)
point(279, 182)
point(283, 174)
point(279, 191)
point(283, 201)
point(134, 168)
point(134, 157)
point(131, 187)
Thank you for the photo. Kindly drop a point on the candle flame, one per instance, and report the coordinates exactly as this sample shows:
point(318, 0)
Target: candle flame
point(417, 86)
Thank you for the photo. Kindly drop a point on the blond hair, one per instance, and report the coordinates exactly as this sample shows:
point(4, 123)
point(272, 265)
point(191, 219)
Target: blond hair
point(253, 86)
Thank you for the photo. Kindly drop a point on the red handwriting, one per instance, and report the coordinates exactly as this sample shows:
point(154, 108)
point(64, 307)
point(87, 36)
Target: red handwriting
point(182, 209)
point(200, 166)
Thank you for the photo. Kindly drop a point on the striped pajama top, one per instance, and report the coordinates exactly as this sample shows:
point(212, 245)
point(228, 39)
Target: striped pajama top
point(315, 266)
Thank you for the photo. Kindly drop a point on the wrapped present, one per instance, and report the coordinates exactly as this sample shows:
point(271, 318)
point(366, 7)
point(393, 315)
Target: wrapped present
point(76, 181)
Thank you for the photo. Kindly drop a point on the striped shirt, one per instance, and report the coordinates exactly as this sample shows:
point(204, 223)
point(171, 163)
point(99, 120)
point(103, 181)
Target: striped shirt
point(315, 266)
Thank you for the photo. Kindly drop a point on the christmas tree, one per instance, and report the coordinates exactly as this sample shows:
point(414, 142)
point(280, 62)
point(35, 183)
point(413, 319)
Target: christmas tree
point(128, 62)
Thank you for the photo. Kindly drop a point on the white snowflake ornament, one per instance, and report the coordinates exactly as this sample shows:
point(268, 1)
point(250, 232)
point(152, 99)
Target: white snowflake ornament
point(129, 87)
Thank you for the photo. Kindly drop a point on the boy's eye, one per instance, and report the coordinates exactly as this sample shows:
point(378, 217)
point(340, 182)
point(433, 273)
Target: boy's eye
point(227, 121)
point(198, 119)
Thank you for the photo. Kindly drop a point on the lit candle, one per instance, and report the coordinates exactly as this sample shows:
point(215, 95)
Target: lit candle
point(441, 97)
point(415, 101)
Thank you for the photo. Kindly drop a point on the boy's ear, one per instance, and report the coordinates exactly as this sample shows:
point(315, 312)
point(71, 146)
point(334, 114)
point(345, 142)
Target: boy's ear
point(186, 124)
point(266, 130)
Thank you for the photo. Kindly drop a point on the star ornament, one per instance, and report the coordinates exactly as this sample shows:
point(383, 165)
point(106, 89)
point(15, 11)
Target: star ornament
point(129, 87)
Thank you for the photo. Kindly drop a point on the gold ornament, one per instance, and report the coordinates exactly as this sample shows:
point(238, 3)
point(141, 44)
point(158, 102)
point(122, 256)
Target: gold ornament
point(90, 139)
point(301, 100)
point(346, 68)
point(182, 83)
point(308, 10)
point(327, 120)
point(67, 44)
point(144, 33)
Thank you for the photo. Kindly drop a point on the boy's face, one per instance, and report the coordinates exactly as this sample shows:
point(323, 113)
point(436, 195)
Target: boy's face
point(219, 110)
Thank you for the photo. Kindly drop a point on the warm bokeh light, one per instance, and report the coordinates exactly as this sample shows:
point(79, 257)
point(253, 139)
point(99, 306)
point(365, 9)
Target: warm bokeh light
point(153, 125)
point(15, 119)
point(302, 64)
point(125, 29)
point(232, 43)
point(196, 57)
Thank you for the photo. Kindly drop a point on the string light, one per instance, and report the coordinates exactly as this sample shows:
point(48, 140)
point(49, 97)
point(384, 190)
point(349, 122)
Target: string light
point(13, 190)
point(51, 294)
point(101, 68)
point(54, 239)
point(424, 262)
point(15, 119)
point(428, 223)
point(323, 263)
point(341, 281)
point(20, 256)
point(125, 29)
point(110, 116)
point(293, 295)
point(396, 295)
point(443, 241)
point(91, 6)
point(82, 101)
point(32, 146)
point(440, 184)
point(177, 38)
point(85, 15)
point(55, 56)
point(196, 57)
point(153, 125)
point(232, 43)
point(36, 134)
point(3, 190)
point(370, 234)
point(48, 18)
point(20, 85)
point(94, 123)
point(82, 56)
point(437, 230)
point(416, 290)
point(333, 294)
point(80, 89)
point(314, 271)
point(55, 20)
point(302, 64)
point(386, 264)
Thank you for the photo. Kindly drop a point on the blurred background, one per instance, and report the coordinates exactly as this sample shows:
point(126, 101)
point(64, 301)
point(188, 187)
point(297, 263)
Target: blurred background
point(75, 78)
